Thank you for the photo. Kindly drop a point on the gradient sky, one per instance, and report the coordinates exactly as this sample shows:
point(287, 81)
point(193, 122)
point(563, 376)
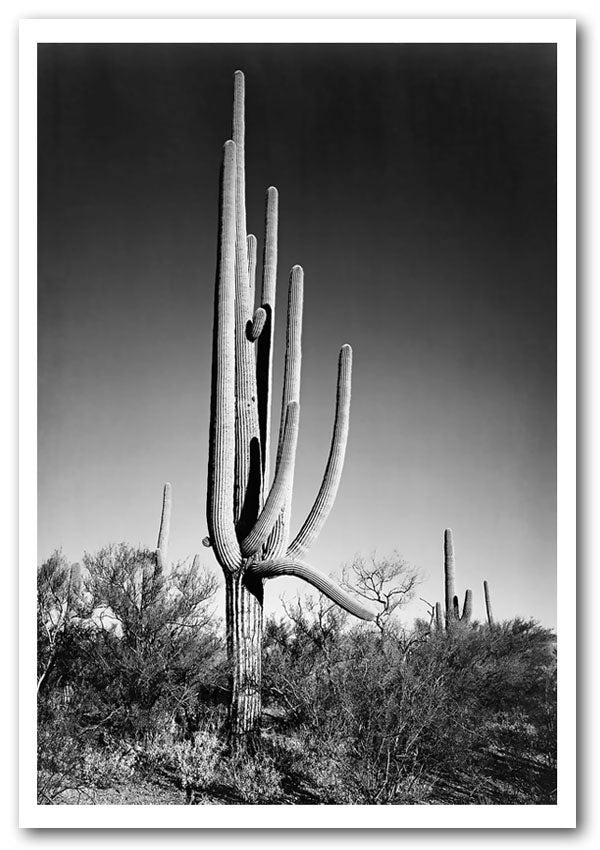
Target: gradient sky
point(417, 189)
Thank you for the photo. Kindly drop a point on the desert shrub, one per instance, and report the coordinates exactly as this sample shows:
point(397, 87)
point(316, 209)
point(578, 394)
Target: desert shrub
point(254, 779)
point(196, 761)
point(59, 766)
point(192, 763)
point(154, 634)
point(74, 763)
point(107, 767)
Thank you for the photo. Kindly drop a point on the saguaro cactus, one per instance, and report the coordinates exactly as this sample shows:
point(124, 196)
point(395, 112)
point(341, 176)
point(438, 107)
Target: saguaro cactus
point(453, 613)
point(248, 512)
point(449, 573)
point(162, 544)
point(488, 603)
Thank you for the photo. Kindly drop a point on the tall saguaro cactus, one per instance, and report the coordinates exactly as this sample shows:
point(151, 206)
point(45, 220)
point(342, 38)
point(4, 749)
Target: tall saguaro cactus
point(248, 510)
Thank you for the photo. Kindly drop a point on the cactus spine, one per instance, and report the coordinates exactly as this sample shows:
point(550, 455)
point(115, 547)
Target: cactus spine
point(248, 514)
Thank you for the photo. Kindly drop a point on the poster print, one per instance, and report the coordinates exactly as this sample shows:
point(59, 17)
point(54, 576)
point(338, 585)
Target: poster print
point(260, 266)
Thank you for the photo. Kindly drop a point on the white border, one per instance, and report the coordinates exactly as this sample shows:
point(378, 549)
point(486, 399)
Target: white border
point(299, 30)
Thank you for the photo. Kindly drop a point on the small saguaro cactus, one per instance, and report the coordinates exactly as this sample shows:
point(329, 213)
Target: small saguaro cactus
point(162, 544)
point(248, 509)
point(453, 613)
point(163, 566)
point(488, 603)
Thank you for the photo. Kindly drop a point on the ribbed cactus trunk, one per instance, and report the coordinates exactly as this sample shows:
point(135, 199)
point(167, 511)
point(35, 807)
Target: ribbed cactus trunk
point(248, 511)
point(244, 615)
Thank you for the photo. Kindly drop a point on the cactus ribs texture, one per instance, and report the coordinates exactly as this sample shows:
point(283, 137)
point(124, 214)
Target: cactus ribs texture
point(248, 510)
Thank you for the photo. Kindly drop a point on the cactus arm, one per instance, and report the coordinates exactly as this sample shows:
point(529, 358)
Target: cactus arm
point(264, 353)
point(162, 544)
point(335, 463)
point(248, 472)
point(330, 588)
point(291, 392)
point(488, 603)
point(239, 137)
point(256, 326)
point(467, 607)
point(276, 499)
point(293, 351)
point(222, 415)
point(455, 608)
point(449, 573)
point(251, 251)
point(439, 617)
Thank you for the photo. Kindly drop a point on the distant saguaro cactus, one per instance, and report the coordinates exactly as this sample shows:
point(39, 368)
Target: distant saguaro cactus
point(449, 574)
point(162, 544)
point(488, 603)
point(248, 514)
point(162, 565)
point(453, 613)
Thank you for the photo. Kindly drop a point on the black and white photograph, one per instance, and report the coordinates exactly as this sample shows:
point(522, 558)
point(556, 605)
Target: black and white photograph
point(297, 503)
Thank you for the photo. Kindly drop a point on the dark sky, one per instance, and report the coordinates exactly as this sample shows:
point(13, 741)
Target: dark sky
point(417, 189)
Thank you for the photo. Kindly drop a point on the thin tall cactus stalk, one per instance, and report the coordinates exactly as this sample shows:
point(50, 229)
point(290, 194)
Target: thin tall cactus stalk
point(488, 603)
point(248, 510)
point(162, 545)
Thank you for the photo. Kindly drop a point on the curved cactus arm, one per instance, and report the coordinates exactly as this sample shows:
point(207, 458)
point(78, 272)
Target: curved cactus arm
point(467, 607)
point(162, 544)
point(455, 608)
point(449, 573)
point(291, 392)
point(251, 251)
point(256, 326)
point(274, 504)
point(335, 463)
point(222, 415)
point(264, 350)
point(488, 603)
point(331, 589)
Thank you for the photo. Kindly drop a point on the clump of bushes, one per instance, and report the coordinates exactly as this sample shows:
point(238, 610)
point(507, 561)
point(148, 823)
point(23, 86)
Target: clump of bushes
point(133, 686)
